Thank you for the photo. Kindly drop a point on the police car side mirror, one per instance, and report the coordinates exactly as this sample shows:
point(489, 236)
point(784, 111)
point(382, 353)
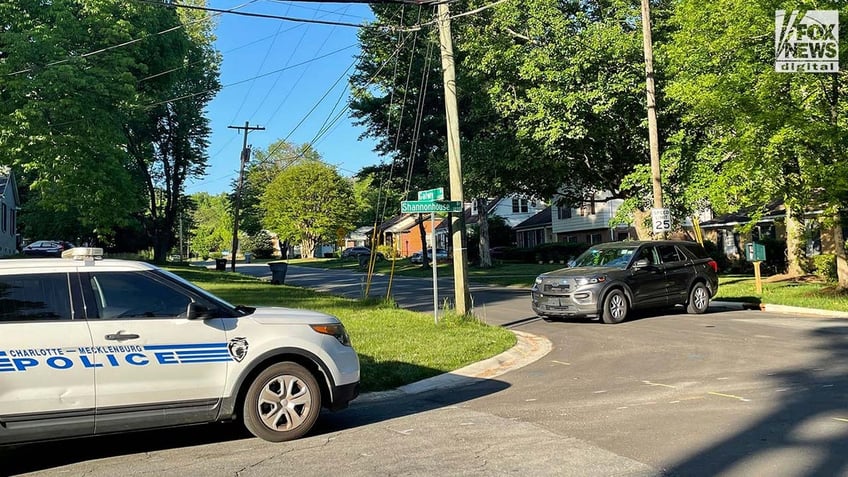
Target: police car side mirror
point(197, 312)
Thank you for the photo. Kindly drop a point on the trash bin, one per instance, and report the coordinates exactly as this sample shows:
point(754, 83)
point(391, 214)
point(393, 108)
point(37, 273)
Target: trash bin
point(221, 264)
point(247, 257)
point(278, 272)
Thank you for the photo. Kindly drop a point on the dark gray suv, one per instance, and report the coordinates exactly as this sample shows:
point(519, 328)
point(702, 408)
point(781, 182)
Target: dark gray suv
point(610, 279)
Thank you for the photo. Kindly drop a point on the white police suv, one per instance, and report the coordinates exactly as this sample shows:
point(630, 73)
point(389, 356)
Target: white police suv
point(91, 346)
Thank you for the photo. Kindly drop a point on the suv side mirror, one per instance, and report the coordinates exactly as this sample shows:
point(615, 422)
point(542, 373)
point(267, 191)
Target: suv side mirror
point(197, 311)
point(642, 263)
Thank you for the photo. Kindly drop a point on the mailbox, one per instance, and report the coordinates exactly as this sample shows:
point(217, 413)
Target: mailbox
point(755, 252)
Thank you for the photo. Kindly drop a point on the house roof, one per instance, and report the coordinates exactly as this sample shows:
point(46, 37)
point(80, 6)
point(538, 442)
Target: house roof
point(540, 220)
point(7, 180)
point(773, 211)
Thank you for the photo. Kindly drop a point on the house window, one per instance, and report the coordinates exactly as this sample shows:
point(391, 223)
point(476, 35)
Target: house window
point(474, 207)
point(571, 239)
point(594, 238)
point(563, 212)
point(592, 206)
point(519, 205)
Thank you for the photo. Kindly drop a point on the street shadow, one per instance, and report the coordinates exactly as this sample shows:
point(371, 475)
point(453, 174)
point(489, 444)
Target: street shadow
point(809, 422)
point(368, 409)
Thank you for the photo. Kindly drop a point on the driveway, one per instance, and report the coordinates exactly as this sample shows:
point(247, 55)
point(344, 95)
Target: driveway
point(737, 393)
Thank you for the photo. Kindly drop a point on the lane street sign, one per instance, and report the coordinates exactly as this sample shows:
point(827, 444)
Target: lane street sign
point(427, 206)
point(431, 194)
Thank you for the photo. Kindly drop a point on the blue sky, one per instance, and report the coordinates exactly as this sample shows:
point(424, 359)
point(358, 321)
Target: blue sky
point(314, 63)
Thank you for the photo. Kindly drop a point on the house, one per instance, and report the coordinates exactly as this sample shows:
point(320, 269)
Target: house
point(536, 230)
point(361, 237)
point(401, 232)
point(9, 206)
point(589, 222)
point(514, 209)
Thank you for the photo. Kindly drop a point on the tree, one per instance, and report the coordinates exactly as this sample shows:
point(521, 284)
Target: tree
point(167, 132)
point(751, 135)
point(212, 223)
point(97, 131)
point(308, 202)
point(263, 167)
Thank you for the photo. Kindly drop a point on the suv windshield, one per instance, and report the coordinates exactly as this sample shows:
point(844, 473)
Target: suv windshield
point(617, 257)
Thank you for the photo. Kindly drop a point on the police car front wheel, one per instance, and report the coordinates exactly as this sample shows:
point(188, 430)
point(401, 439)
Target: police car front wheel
point(282, 403)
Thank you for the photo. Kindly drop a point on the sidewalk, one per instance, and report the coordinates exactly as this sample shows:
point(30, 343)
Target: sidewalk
point(795, 310)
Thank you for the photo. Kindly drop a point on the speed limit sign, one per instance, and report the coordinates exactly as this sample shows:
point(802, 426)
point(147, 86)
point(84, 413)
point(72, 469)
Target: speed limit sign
point(661, 219)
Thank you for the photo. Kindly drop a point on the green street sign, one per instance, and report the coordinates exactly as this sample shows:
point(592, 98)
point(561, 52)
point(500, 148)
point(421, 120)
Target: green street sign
point(431, 194)
point(428, 206)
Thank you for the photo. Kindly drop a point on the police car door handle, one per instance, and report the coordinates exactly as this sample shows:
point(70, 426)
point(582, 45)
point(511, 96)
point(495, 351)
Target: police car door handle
point(120, 336)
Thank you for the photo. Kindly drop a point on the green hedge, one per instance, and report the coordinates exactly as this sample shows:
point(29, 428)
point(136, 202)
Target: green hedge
point(825, 266)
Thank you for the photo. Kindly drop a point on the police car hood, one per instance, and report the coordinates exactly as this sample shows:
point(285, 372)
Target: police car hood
point(287, 316)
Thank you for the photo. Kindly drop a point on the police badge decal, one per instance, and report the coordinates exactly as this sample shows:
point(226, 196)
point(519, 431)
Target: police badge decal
point(238, 348)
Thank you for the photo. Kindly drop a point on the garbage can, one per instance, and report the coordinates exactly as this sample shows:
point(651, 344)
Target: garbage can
point(247, 257)
point(221, 264)
point(278, 272)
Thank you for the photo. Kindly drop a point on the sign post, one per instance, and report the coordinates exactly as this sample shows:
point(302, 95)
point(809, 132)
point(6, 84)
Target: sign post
point(430, 201)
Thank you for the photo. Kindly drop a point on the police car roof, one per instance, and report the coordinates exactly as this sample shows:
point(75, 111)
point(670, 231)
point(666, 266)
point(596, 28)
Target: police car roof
point(29, 265)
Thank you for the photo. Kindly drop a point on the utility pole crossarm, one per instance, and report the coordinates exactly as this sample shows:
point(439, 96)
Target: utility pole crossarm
point(243, 158)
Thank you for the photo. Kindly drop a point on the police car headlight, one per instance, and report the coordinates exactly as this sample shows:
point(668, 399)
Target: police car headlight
point(589, 281)
point(538, 280)
point(336, 330)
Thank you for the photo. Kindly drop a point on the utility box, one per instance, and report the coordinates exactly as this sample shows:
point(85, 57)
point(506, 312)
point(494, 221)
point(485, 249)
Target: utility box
point(755, 252)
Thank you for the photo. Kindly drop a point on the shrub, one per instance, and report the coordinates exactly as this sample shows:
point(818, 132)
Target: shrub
point(825, 266)
point(260, 244)
point(387, 251)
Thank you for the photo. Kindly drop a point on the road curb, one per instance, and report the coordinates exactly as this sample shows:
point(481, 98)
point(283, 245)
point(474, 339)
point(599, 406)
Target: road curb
point(528, 349)
point(785, 309)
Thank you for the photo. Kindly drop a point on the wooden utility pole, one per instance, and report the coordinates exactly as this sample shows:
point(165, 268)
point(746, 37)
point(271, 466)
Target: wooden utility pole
point(461, 296)
point(243, 158)
point(653, 135)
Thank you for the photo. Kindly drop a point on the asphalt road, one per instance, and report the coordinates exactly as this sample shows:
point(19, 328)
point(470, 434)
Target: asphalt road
point(744, 393)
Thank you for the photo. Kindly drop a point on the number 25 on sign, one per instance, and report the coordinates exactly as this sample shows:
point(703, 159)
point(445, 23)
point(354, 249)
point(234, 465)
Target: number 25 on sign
point(661, 219)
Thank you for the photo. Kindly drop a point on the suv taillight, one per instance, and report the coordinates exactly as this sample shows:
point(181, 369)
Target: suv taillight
point(714, 265)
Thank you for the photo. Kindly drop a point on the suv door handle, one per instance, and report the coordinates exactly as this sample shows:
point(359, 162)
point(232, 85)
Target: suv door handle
point(120, 336)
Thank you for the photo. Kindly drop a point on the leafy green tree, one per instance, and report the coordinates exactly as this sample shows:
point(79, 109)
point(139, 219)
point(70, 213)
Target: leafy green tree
point(104, 136)
point(308, 202)
point(752, 136)
point(264, 166)
point(212, 223)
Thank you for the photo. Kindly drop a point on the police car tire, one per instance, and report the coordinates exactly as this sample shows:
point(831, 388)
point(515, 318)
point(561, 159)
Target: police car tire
point(293, 407)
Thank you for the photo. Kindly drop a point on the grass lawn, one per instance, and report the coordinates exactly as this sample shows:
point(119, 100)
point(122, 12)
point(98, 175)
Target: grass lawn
point(395, 346)
point(804, 292)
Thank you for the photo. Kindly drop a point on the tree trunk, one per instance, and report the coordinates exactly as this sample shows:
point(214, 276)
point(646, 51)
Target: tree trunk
point(640, 218)
point(839, 250)
point(483, 222)
point(424, 250)
point(794, 243)
point(307, 247)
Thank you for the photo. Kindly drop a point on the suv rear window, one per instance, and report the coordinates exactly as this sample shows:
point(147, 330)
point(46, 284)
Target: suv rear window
point(695, 250)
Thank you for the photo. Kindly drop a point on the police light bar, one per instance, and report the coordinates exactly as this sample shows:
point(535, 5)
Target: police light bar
point(83, 253)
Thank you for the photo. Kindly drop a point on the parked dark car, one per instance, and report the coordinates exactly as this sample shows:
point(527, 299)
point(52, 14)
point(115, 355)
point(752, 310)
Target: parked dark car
point(47, 248)
point(610, 279)
point(355, 252)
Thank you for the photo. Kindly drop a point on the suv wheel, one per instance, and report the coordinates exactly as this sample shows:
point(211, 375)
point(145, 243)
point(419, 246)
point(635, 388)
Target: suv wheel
point(699, 299)
point(282, 403)
point(615, 307)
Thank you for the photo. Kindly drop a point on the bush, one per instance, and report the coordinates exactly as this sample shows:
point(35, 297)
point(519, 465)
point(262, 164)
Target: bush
point(387, 251)
point(825, 266)
point(260, 244)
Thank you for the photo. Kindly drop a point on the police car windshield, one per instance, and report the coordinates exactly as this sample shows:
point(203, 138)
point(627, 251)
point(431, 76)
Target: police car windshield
point(236, 310)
